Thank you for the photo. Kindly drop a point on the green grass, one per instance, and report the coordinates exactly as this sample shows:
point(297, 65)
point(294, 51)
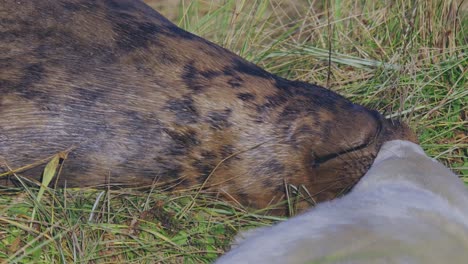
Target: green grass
point(407, 59)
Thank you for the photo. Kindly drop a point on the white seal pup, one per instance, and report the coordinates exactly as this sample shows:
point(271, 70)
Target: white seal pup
point(408, 208)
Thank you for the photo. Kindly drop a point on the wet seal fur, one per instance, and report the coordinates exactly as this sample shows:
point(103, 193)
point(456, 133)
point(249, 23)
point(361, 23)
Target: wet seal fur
point(142, 101)
point(408, 208)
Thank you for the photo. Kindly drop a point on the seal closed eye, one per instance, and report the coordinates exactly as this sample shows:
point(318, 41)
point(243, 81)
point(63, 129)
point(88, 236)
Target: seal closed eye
point(142, 101)
point(363, 145)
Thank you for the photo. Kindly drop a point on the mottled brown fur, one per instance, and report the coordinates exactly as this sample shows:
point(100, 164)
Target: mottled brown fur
point(143, 101)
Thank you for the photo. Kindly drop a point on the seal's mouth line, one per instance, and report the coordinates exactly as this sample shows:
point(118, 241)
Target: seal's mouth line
point(320, 160)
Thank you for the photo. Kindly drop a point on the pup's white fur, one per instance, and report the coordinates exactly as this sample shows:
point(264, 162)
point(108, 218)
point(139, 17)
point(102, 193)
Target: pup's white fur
point(408, 208)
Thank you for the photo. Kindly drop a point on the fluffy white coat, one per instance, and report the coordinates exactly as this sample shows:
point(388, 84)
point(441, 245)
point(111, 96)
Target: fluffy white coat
point(408, 208)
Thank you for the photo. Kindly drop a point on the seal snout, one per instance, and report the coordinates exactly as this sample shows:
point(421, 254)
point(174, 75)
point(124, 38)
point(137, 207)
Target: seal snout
point(397, 130)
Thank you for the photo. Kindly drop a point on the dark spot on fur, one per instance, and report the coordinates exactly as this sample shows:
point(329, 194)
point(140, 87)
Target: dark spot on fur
point(249, 68)
point(144, 127)
point(246, 96)
point(226, 151)
point(186, 183)
point(60, 48)
point(313, 96)
point(182, 142)
point(219, 120)
point(276, 100)
point(190, 72)
point(279, 188)
point(210, 74)
point(268, 181)
point(190, 77)
point(269, 169)
point(205, 165)
point(229, 71)
point(170, 172)
point(204, 168)
point(272, 101)
point(243, 198)
point(184, 109)
point(87, 97)
point(281, 83)
point(273, 167)
point(180, 33)
point(136, 34)
point(259, 119)
point(119, 5)
point(167, 58)
point(74, 7)
point(291, 112)
point(33, 74)
point(166, 170)
point(208, 155)
point(235, 81)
